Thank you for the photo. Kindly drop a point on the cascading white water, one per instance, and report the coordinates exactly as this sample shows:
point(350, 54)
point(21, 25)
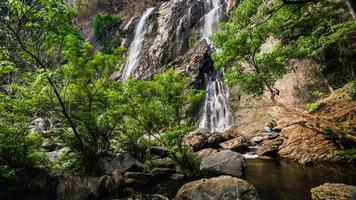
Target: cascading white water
point(137, 44)
point(184, 19)
point(216, 115)
point(212, 18)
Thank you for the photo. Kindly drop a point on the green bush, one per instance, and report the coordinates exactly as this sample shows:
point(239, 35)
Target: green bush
point(349, 154)
point(105, 27)
point(182, 156)
point(318, 94)
point(313, 106)
point(19, 148)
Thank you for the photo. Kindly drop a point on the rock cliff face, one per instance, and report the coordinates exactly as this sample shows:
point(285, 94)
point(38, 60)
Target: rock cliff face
point(172, 39)
point(172, 36)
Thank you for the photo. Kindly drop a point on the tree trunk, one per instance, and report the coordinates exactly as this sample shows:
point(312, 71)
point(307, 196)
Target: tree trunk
point(352, 6)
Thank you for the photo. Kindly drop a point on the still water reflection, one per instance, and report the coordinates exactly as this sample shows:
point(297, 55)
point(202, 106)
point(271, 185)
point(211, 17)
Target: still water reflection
point(283, 180)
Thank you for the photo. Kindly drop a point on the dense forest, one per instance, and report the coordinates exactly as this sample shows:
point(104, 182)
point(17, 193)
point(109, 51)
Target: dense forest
point(178, 99)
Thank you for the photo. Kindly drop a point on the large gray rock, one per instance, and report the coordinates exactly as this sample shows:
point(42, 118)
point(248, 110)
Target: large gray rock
point(82, 188)
point(261, 137)
point(42, 125)
point(205, 152)
point(137, 178)
point(224, 163)
point(236, 144)
point(218, 188)
point(334, 191)
point(197, 140)
point(214, 139)
point(121, 163)
point(270, 148)
point(159, 151)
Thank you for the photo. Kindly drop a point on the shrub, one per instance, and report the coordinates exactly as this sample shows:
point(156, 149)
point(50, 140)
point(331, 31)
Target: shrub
point(318, 94)
point(182, 156)
point(105, 27)
point(349, 154)
point(313, 106)
point(19, 148)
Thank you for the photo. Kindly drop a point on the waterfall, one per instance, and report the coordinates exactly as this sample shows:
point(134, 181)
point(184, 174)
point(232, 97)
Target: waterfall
point(137, 44)
point(211, 19)
point(216, 114)
point(184, 19)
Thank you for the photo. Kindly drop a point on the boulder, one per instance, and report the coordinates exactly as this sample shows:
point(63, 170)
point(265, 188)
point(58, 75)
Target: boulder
point(236, 144)
point(261, 137)
point(159, 151)
point(140, 196)
point(121, 162)
point(230, 133)
point(164, 163)
point(205, 152)
point(197, 140)
point(28, 183)
point(214, 139)
point(306, 145)
point(42, 125)
point(270, 148)
point(334, 191)
point(137, 178)
point(78, 188)
point(223, 163)
point(162, 172)
point(50, 145)
point(177, 177)
point(222, 187)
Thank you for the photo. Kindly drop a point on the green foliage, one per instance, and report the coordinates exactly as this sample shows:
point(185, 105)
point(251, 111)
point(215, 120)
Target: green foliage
point(239, 45)
point(313, 106)
point(53, 72)
point(105, 26)
point(85, 93)
point(6, 172)
point(305, 30)
point(181, 155)
point(318, 94)
point(161, 109)
point(349, 154)
point(353, 90)
point(19, 148)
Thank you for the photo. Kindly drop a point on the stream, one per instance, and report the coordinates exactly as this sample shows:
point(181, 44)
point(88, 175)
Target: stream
point(276, 179)
point(283, 180)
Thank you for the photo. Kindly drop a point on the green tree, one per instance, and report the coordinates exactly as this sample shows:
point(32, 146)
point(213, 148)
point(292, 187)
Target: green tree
point(105, 27)
point(307, 29)
point(60, 75)
point(160, 110)
point(19, 147)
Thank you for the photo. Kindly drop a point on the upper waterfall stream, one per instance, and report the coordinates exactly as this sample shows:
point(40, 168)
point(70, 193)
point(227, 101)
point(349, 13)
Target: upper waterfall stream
point(137, 44)
point(216, 112)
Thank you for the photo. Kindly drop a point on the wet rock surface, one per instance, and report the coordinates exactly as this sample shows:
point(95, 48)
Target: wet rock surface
point(78, 188)
point(121, 162)
point(334, 191)
point(205, 152)
point(260, 137)
point(223, 163)
point(222, 187)
point(236, 144)
point(270, 148)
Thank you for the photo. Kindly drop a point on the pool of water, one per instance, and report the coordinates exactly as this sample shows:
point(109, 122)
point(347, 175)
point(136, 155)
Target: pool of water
point(283, 180)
